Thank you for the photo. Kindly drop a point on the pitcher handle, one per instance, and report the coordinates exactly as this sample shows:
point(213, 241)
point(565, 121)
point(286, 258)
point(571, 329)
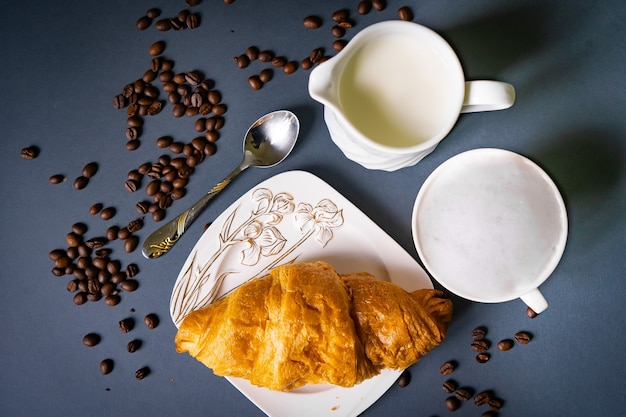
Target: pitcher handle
point(535, 300)
point(487, 95)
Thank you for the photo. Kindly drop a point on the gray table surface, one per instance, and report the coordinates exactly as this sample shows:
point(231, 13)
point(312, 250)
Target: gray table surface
point(62, 63)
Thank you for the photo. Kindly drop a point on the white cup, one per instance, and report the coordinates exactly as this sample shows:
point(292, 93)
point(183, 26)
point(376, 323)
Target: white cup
point(395, 91)
point(490, 226)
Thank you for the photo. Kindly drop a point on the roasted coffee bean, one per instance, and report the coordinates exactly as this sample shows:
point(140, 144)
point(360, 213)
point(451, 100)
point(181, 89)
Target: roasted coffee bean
point(142, 373)
point(93, 286)
point(340, 15)
point(107, 213)
point(57, 179)
point(158, 214)
point(339, 44)
point(306, 63)
point(80, 298)
point(364, 7)
point(220, 109)
point(129, 285)
point(505, 344)
point(252, 52)
point(479, 333)
point(379, 5)
point(132, 133)
point(242, 61)
point(151, 321)
point(155, 108)
point(130, 244)
point(81, 182)
point(106, 366)
point(142, 207)
point(447, 368)
point(73, 239)
point(193, 20)
point(126, 325)
point(530, 313)
point(144, 22)
point(452, 403)
point(135, 225)
point(404, 379)
point(346, 24)
point(72, 285)
point(450, 386)
point(133, 345)
point(495, 403)
point(193, 78)
point(480, 346)
point(489, 413)
point(463, 394)
point(95, 208)
point(266, 56)
point(153, 13)
point(279, 61)
point(255, 82)
point(91, 339)
point(405, 13)
point(131, 185)
point(179, 110)
point(79, 228)
point(112, 300)
point(30, 152)
point(482, 357)
point(482, 398)
point(56, 253)
point(96, 242)
point(523, 338)
point(316, 55)
point(337, 31)
point(312, 22)
point(132, 270)
point(119, 101)
point(290, 67)
point(157, 48)
point(214, 97)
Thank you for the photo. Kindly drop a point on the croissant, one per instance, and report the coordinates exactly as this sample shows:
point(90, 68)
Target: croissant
point(305, 324)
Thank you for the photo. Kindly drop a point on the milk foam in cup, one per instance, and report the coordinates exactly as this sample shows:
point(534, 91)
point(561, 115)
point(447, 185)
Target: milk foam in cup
point(395, 91)
point(490, 226)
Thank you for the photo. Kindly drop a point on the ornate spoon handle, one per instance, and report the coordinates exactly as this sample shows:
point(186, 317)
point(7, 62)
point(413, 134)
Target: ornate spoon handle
point(162, 239)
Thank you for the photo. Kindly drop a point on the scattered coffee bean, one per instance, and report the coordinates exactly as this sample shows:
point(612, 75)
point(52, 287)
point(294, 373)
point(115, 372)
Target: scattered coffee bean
point(312, 22)
point(142, 373)
point(144, 22)
point(290, 67)
point(91, 339)
point(106, 366)
point(157, 48)
point(447, 368)
point(80, 298)
point(364, 7)
point(96, 242)
point(131, 243)
point(463, 394)
point(151, 321)
point(57, 179)
point(81, 182)
point(95, 208)
point(255, 82)
point(129, 285)
point(339, 44)
point(266, 75)
point(482, 398)
point(452, 403)
point(482, 357)
point(505, 344)
point(29, 153)
point(495, 403)
point(530, 313)
point(133, 345)
point(126, 325)
point(112, 300)
point(523, 338)
point(450, 386)
point(404, 379)
point(480, 346)
point(107, 213)
point(489, 413)
point(242, 61)
point(266, 56)
point(405, 13)
point(479, 333)
point(337, 31)
point(379, 5)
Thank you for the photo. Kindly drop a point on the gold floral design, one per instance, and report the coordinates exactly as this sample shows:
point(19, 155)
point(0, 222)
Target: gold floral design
point(259, 237)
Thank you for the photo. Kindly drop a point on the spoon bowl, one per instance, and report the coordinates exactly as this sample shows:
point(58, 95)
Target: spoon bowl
point(266, 143)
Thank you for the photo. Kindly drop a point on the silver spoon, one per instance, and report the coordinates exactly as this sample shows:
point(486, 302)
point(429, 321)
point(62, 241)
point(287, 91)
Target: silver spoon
point(266, 143)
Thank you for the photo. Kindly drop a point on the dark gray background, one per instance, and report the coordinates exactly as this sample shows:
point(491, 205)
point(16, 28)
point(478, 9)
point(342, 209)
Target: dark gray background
point(62, 63)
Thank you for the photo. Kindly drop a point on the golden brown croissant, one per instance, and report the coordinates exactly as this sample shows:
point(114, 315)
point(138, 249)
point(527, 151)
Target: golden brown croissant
point(305, 324)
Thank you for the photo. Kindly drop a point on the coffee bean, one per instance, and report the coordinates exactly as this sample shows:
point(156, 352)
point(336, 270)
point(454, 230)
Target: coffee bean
point(364, 7)
point(132, 133)
point(119, 101)
point(495, 403)
point(106, 366)
point(142, 373)
point(193, 20)
point(255, 82)
point(482, 357)
point(154, 108)
point(81, 182)
point(130, 244)
point(144, 22)
point(405, 13)
point(80, 298)
point(452, 403)
point(530, 313)
point(346, 24)
point(489, 413)
point(523, 338)
point(29, 153)
point(279, 61)
point(316, 55)
point(252, 52)
point(306, 63)
point(480, 346)
point(153, 13)
point(126, 325)
point(57, 179)
point(290, 67)
point(463, 394)
point(337, 31)
point(242, 61)
point(339, 44)
point(312, 22)
point(133, 345)
point(91, 339)
point(96, 242)
point(340, 15)
point(505, 344)
point(379, 5)
point(447, 368)
point(482, 398)
point(112, 300)
point(157, 48)
point(479, 333)
point(404, 379)
point(95, 208)
point(107, 213)
point(266, 56)
point(151, 321)
point(129, 285)
point(450, 386)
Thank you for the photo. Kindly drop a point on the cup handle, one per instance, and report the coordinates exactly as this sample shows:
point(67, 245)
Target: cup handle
point(535, 300)
point(487, 95)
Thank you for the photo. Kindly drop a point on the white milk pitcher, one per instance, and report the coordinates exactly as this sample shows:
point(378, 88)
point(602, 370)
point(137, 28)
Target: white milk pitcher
point(395, 91)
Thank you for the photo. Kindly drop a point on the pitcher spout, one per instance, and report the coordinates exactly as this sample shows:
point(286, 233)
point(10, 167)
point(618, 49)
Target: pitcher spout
point(323, 84)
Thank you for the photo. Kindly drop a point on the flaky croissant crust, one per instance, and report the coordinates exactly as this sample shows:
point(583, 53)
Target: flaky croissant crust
point(305, 324)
